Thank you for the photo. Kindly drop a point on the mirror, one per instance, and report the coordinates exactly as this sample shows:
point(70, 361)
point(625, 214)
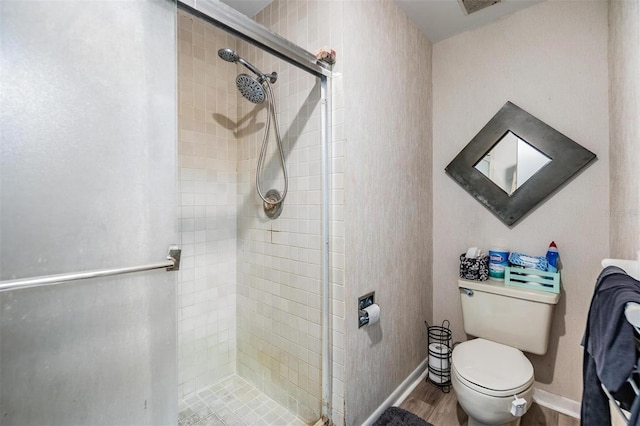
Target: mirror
point(511, 162)
point(515, 162)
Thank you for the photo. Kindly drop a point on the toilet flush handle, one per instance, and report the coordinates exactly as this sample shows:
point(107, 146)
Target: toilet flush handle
point(466, 291)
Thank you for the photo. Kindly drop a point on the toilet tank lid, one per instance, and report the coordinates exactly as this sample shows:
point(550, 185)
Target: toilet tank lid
point(492, 365)
point(498, 287)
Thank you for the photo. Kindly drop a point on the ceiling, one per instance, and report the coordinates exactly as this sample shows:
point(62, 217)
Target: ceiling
point(438, 19)
point(248, 7)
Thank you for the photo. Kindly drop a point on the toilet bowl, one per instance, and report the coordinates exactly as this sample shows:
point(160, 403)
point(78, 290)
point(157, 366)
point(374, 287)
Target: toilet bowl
point(486, 376)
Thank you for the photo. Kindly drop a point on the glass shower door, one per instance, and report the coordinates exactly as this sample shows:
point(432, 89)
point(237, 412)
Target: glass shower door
point(87, 182)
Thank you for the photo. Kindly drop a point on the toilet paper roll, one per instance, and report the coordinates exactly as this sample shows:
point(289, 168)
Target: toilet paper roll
point(439, 356)
point(374, 313)
point(439, 378)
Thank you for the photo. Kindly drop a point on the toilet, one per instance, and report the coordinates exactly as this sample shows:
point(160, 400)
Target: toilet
point(489, 372)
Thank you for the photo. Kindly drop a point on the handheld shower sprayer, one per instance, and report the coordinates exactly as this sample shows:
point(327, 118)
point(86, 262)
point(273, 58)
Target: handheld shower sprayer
point(254, 90)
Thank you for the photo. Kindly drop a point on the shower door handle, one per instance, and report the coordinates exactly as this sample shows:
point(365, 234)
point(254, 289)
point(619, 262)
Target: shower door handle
point(171, 264)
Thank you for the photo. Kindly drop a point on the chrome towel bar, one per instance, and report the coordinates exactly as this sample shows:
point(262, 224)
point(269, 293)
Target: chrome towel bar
point(171, 264)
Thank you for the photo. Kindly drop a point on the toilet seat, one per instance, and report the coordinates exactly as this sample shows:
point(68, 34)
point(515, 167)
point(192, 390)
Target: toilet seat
point(492, 368)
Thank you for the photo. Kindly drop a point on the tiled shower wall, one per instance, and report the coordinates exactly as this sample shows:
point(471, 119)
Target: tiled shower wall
point(279, 261)
point(313, 24)
point(208, 151)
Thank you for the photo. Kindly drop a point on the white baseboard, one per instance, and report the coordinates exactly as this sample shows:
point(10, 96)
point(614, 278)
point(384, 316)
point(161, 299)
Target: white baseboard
point(552, 401)
point(557, 403)
point(401, 392)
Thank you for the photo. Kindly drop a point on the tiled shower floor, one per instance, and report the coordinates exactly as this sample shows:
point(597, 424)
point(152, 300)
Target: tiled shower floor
point(234, 402)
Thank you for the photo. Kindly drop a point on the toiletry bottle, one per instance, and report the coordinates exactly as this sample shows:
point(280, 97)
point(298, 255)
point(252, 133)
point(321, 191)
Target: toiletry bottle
point(552, 257)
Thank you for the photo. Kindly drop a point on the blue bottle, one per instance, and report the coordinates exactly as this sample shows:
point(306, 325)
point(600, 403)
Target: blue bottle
point(552, 257)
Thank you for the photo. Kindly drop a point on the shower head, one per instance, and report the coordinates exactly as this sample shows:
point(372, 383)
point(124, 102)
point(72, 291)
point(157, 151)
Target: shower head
point(228, 55)
point(250, 88)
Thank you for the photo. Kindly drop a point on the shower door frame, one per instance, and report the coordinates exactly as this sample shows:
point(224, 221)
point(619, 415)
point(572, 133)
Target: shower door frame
point(234, 22)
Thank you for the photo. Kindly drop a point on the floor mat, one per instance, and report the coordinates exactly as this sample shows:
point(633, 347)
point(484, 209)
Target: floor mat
point(394, 416)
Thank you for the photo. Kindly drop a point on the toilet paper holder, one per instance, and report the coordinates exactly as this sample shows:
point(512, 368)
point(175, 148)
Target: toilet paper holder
point(364, 302)
point(363, 318)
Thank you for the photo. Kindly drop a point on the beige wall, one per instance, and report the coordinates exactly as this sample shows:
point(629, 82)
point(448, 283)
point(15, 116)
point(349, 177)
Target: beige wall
point(387, 74)
point(550, 60)
point(624, 110)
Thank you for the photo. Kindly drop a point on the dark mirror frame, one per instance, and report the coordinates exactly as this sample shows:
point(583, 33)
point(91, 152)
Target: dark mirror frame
point(567, 159)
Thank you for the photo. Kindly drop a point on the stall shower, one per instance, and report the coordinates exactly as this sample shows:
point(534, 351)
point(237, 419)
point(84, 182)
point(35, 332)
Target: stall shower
point(250, 299)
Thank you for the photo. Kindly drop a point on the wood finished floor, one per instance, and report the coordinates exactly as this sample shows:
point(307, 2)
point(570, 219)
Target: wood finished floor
point(442, 409)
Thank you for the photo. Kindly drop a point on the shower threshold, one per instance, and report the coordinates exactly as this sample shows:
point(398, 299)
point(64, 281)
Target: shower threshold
point(234, 402)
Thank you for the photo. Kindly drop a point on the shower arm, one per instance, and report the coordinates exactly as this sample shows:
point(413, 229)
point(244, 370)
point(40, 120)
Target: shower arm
point(261, 77)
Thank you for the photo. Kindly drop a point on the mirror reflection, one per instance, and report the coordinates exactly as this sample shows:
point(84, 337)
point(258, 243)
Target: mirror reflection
point(511, 162)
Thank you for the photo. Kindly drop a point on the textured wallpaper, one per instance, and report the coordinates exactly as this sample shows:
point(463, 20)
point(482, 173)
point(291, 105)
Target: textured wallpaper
point(624, 104)
point(388, 191)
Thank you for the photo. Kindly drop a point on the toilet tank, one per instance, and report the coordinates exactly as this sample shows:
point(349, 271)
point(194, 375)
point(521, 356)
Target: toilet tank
point(513, 316)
